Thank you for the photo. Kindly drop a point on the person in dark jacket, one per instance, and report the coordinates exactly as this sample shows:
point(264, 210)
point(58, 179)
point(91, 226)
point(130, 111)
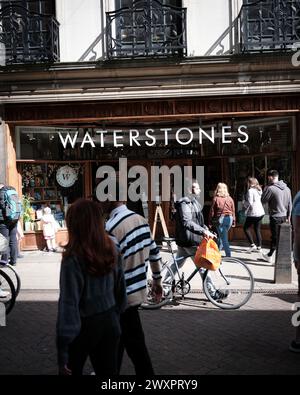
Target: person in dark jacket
point(278, 196)
point(92, 294)
point(190, 230)
point(8, 229)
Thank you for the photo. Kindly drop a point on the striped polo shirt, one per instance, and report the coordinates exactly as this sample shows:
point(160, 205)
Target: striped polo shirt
point(138, 250)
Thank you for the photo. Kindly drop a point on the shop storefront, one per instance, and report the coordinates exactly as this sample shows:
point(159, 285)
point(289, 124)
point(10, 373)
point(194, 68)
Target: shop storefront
point(53, 175)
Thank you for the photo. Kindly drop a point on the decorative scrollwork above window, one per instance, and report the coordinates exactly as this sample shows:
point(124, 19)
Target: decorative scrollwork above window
point(269, 25)
point(27, 36)
point(148, 28)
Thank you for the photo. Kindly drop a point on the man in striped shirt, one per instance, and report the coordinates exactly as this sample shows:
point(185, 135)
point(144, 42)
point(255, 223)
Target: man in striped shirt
point(138, 250)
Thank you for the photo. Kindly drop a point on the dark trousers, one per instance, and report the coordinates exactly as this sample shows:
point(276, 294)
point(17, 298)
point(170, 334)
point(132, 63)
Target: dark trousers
point(274, 226)
point(133, 341)
point(256, 223)
point(10, 232)
point(99, 339)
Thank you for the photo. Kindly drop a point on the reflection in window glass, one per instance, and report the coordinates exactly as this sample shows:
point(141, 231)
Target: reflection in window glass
point(242, 168)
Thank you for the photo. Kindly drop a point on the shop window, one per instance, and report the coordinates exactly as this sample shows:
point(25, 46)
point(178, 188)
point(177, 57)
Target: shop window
point(255, 166)
point(44, 184)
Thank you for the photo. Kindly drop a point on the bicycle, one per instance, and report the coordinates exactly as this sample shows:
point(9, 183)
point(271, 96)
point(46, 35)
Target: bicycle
point(233, 280)
point(6, 285)
point(13, 274)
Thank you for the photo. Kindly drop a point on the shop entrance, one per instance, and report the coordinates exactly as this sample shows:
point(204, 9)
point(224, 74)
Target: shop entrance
point(147, 207)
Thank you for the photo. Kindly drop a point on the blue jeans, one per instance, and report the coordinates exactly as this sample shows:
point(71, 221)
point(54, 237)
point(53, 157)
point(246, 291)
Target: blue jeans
point(223, 229)
point(10, 232)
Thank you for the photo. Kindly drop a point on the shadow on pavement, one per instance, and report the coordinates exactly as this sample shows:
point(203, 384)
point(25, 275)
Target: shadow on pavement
point(181, 340)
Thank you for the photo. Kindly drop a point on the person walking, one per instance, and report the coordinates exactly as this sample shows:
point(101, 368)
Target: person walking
point(10, 212)
point(131, 231)
point(278, 196)
point(254, 214)
point(295, 344)
point(190, 230)
point(3, 247)
point(222, 216)
point(92, 294)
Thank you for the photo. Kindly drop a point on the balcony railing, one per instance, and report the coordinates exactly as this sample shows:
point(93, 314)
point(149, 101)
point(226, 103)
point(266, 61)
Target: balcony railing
point(28, 37)
point(147, 29)
point(269, 25)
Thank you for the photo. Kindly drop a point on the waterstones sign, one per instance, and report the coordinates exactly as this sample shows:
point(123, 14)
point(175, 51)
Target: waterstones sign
point(150, 137)
point(166, 183)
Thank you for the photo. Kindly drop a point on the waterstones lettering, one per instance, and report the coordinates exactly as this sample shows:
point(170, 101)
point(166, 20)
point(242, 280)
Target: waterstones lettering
point(150, 137)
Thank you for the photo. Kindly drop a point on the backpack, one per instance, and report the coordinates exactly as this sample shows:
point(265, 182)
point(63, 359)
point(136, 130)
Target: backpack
point(13, 205)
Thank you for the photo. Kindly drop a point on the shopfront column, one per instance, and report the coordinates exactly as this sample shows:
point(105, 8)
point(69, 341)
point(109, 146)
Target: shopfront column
point(3, 152)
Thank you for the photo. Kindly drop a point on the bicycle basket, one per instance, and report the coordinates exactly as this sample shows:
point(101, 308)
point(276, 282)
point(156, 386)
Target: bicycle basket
point(208, 255)
point(3, 243)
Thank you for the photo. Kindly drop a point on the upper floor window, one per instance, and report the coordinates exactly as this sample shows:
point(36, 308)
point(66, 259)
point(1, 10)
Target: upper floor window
point(29, 32)
point(146, 28)
point(269, 24)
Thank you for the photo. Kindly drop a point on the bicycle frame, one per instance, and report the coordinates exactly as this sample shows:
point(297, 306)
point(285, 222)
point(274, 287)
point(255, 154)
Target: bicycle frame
point(192, 275)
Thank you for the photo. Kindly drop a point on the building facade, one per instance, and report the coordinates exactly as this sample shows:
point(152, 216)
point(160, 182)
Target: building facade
point(118, 69)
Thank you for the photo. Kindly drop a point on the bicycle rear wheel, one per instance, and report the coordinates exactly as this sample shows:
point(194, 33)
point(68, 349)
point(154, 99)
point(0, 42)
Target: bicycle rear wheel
point(167, 279)
point(13, 274)
point(7, 285)
point(234, 280)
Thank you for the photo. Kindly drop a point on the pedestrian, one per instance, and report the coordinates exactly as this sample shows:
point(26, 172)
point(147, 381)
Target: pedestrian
point(10, 212)
point(222, 216)
point(3, 247)
point(190, 230)
point(138, 249)
point(49, 227)
point(295, 344)
point(92, 294)
point(254, 212)
point(278, 196)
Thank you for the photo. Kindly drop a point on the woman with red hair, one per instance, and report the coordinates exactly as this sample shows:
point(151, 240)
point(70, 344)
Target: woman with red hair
point(92, 294)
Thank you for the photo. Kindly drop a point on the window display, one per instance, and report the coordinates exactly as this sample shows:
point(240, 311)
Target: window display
point(41, 188)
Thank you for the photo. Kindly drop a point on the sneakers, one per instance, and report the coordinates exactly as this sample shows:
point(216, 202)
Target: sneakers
point(294, 347)
point(252, 248)
point(3, 294)
point(267, 258)
point(220, 295)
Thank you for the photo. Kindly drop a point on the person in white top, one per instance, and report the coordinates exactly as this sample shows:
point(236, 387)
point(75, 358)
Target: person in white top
point(254, 213)
point(49, 226)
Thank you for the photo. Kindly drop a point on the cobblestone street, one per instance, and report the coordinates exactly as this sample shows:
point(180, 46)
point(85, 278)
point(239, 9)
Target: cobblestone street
point(192, 337)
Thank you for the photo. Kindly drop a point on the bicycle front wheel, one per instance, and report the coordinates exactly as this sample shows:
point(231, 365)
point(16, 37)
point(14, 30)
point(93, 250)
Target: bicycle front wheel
point(13, 274)
point(6, 285)
point(151, 303)
point(231, 286)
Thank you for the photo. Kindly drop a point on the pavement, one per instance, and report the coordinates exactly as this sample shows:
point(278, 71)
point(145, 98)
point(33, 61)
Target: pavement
point(188, 337)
